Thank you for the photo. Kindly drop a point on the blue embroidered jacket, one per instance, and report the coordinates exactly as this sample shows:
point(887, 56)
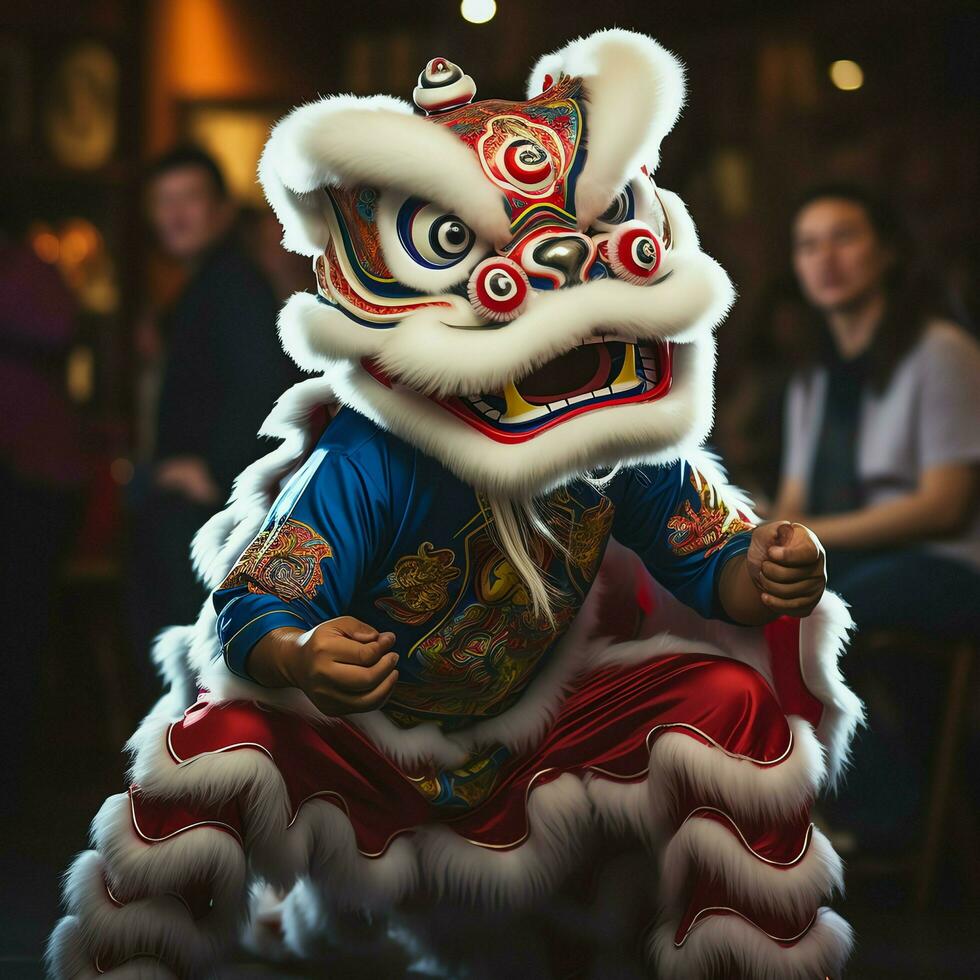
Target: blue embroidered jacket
point(372, 528)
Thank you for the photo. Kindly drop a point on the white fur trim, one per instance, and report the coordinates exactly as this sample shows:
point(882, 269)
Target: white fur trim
point(136, 867)
point(375, 141)
point(823, 637)
point(66, 959)
point(558, 816)
point(157, 926)
point(706, 845)
point(263, 934)
point(747, 788)
point(718, 941)
point(281, 845)
point(737, 785)
point(656, 431)
point(634, 89)
point(305, 920)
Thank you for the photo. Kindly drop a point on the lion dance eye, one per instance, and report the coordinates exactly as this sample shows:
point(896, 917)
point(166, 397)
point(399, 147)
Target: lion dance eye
point(526, 164)
point(635, 253)
point(432, 237)
point(498, 289)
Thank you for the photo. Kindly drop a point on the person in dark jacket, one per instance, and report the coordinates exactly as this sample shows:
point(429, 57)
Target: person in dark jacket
point(222, 373)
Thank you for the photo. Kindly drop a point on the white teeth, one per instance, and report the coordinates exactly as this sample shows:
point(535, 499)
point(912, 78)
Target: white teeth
point(554, 406)
point(575, 399)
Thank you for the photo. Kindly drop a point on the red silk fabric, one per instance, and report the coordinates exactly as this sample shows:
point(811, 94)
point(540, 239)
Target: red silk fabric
point(606, 726)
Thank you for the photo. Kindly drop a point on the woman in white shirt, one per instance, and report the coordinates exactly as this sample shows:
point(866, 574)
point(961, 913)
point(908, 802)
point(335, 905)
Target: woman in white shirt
point(882, 449)
point(881, 460)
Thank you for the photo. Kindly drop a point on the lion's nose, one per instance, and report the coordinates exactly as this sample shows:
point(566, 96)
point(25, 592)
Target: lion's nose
point(568, 255)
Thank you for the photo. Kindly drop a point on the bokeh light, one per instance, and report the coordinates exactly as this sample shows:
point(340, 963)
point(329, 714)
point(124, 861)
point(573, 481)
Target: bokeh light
point(846, 75)
point(478, 11)
point(45, 243)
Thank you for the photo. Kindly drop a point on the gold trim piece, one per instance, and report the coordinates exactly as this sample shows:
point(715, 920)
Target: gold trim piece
point(779, 864)
point(704, 913)
point(255, 619)
point(190, 826)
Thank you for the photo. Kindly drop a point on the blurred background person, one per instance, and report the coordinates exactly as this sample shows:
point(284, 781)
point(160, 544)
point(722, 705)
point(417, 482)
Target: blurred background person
point(882, 450)
point(882, 460)
point(222, 371)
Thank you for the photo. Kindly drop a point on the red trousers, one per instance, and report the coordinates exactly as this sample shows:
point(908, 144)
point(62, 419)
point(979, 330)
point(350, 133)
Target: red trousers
point(605, 730)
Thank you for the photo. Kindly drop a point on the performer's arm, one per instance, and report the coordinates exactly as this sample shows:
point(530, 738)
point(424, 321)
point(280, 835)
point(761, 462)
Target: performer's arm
point(710, 556)
point(281, 609)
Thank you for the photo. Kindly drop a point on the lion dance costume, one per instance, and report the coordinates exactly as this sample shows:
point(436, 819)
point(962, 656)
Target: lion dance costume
point(512, 340)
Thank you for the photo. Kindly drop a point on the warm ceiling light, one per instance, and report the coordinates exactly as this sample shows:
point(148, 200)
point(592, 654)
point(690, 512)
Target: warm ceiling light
point(478, 11)
point(846, 75)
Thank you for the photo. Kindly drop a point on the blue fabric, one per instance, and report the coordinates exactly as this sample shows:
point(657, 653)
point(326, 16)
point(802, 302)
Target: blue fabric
point(372, 528)
point(908, 589)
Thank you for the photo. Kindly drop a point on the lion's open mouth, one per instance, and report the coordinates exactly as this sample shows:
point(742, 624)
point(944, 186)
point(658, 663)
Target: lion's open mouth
point(598, 374)
point(602, 372)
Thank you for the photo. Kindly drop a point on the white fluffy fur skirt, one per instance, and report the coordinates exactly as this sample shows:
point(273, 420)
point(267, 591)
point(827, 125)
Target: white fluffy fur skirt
point(232, 834)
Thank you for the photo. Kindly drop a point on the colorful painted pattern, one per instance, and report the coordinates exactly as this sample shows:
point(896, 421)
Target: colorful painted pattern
point(553, 121)
point(465, 787)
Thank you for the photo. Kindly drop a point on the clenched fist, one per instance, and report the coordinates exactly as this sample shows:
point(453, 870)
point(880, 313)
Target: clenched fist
point(786, 563)
point(343, 665)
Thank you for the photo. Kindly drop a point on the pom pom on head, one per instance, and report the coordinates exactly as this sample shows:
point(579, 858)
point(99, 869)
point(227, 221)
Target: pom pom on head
point(442, 86)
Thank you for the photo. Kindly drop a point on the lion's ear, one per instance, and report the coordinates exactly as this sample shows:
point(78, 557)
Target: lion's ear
point(377, 141)
point(315, 146)
point(634, 90)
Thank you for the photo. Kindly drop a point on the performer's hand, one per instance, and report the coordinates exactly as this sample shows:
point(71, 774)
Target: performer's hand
point(787, 564)
point(343, 665)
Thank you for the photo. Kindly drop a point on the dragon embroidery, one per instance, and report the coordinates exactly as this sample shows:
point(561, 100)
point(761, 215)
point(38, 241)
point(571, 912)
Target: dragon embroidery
point(283, 560)
point(419, 584)
point(707, 529)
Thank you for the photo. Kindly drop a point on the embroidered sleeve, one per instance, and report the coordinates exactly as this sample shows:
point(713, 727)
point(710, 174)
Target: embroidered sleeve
point(307, 562)
point(683, 529)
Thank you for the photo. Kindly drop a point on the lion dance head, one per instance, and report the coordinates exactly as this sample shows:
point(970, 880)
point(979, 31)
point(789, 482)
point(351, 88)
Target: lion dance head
point(503, 284)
